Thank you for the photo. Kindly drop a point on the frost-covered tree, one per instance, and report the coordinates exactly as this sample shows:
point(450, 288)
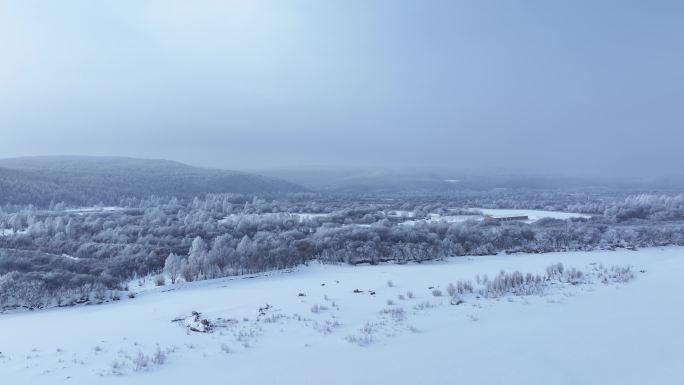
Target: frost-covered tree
point(173, 267)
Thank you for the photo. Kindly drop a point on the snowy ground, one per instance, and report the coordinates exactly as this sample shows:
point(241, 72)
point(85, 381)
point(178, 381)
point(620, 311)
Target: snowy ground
point(617, 333)
point(94, 209)
point(7, 232)
point(533, 215)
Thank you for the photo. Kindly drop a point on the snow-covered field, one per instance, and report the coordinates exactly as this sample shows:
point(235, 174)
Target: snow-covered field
point(533, 215)
point(7, 232)
point(94, 209)
point(266, 332)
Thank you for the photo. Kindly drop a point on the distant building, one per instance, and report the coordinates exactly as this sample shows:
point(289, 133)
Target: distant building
point(492, 219)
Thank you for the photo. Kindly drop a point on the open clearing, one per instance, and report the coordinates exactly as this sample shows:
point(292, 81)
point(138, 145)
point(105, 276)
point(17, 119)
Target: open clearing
point(533, 215)
point(310, 326)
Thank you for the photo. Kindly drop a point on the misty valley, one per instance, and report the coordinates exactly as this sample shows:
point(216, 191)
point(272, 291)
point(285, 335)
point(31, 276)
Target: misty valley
point(216, 275)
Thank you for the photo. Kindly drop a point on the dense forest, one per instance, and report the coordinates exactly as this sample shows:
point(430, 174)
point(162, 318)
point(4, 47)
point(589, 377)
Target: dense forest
point(56, 255)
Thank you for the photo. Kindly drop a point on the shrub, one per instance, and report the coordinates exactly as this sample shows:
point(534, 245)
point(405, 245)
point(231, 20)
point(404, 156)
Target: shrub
point(396, 313)
point(160, 280)
point(364, 336)
point(451, 290)
point(141, 362)
point(159, 357)
point(554, 270)
point(423, 305)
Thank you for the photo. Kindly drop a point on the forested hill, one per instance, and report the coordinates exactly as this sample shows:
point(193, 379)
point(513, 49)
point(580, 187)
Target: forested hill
point(90, 180)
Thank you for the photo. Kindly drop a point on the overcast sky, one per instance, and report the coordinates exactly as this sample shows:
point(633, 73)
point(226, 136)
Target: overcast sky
point(571, 87)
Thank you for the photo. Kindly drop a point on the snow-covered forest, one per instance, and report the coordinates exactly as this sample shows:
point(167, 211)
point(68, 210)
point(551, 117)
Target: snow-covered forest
point(58, 255)
point(341, 192)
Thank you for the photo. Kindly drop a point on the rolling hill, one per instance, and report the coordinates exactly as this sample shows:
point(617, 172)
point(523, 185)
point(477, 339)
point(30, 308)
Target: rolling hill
point(87, 180)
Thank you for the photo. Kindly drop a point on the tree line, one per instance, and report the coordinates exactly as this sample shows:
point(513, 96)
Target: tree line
point(57, 256)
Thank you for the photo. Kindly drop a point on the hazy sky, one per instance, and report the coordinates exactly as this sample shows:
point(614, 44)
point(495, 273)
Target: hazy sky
point(539, 86)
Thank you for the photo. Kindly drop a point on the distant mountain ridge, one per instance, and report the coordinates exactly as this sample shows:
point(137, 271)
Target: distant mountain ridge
point(90, 179)
point(416, 180)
